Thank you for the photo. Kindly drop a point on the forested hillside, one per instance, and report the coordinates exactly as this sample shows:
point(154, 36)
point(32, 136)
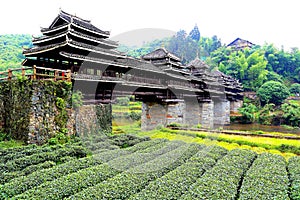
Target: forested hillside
point(11, 50)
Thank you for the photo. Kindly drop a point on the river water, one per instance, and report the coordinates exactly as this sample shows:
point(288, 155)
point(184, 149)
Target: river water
point(259, 127)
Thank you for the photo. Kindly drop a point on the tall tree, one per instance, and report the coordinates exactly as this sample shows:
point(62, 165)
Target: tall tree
point(182, 46)
point(195, 33)
point(248, 67)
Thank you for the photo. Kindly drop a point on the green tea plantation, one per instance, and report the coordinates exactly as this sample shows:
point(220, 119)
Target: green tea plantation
point(129, 167)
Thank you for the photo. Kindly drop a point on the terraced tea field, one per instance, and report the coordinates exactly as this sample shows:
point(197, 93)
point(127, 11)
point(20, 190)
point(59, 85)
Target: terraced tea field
point(145, 169)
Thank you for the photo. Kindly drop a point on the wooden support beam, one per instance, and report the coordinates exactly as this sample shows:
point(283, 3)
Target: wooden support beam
point(34, 72)
point(23, 72)
point(9, 72)
point(55, 75)
point(69, 72)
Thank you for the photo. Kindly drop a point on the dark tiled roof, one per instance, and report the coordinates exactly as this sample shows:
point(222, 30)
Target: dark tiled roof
point(81, 22)
point(77, 34)
point(93, 59)
point(159, 54)
point(239, 41)
point(197, 63)
point(227, 80)
point(139, 64)
point(74, 44)
point(44, 48)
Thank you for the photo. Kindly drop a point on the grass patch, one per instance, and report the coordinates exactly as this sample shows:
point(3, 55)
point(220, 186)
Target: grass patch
point(11, 144)
point(230, 142)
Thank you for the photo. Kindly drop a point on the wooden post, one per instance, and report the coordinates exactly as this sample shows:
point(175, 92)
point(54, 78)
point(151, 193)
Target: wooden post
point(69, 75)
point(23, 72)
point(34, 72)
point(9, 72)
point(55, 75)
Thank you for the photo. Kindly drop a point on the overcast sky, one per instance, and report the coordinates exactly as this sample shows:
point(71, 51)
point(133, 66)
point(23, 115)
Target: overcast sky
point(258, 21)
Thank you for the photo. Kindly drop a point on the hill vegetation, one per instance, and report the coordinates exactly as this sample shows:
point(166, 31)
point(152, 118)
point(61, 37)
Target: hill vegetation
point(11, 50)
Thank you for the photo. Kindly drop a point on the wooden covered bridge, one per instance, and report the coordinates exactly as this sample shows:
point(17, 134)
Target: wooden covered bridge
point(73, 49)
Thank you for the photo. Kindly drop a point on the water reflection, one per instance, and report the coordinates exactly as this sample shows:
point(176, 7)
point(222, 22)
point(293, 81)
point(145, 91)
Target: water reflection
point(259, 127)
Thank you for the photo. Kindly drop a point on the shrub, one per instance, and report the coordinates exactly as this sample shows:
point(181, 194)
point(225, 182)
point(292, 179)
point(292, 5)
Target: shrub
point(291, 113)
point(5, 177)
point(55, 156)
point(123, 101)
point(248, 111)
point(273, 92)
point(295, 89)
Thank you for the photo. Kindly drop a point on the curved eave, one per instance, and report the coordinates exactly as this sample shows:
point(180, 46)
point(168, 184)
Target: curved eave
point(176, 76)
point(34, 51)
point(48, 38)
point(49, 30)
point(178, 70)
point(39, 50)
point(147, 69)
point(230, 93)
point(90, 38)
point(172, 56)
point(74, 33)
point(99, 51)
point(165, 62)
point(91, 59)
point(89, 30)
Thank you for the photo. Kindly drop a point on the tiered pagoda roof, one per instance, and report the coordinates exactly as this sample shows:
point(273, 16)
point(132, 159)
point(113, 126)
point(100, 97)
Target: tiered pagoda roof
point(70, 39)
point(179, 75)
point(64, 19)
point(200, 73)
point(233, 88)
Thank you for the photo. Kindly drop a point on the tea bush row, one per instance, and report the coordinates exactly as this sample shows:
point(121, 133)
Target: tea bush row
point(266, 179)
point(175, 183)
point(222, 181)
point(129, 182)
point(294, 173)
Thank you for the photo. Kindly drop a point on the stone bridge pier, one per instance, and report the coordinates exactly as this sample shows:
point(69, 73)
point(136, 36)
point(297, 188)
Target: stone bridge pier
point(185, 112)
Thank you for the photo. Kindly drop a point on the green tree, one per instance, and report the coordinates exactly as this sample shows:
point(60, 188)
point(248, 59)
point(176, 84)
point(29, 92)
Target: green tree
point(267, 114)
point(182, 46)
point(249, 66)
point(195, 34)
point(291, 114)
point(272, 92)
point(248, 111)
point(295, 89)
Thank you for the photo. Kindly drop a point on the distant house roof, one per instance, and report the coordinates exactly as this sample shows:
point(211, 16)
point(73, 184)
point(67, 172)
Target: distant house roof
point(239, 43)
point(159, 54)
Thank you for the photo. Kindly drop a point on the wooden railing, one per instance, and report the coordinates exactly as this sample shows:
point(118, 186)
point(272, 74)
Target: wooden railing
point(128, 78)
point(36, 73)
